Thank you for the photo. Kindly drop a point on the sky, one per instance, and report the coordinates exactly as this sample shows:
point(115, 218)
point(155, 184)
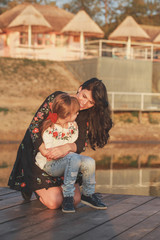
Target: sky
point(60, 3)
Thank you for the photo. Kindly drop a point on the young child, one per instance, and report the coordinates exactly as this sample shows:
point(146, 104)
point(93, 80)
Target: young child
point(58, 129)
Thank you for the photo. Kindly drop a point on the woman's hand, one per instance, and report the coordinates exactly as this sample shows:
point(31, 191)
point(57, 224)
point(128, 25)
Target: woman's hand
point(61, 151)
point(43, 150)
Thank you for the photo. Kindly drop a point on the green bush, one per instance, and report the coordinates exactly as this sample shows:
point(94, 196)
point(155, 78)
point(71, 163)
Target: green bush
point(4, 110)
point(4, 165)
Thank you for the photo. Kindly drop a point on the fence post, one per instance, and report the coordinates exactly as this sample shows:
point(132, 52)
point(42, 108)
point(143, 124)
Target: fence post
point(113, 106)
point(142, 108)
point(151, 52)
point(100, 48)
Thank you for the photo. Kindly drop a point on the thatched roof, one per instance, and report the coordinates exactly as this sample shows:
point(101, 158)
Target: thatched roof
point(157, 39)
point(30, 16)
point(129, 28)
point(55, 16)
point(152, 31)
point(83, 23)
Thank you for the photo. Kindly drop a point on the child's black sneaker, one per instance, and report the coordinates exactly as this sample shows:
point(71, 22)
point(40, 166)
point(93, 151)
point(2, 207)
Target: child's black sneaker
point(68, 205)
point(93, 201)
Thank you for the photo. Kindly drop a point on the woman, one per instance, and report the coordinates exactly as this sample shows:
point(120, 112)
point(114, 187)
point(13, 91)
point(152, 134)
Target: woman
point(94, 123)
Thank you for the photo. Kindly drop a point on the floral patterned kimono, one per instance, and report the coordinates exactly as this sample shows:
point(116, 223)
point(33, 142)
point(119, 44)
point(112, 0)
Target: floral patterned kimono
point(26, 174)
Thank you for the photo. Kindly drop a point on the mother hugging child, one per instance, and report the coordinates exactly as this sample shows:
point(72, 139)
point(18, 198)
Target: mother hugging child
point(48, 160)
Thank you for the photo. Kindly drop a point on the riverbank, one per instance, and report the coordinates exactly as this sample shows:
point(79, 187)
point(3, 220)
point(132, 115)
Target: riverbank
point(26, 83)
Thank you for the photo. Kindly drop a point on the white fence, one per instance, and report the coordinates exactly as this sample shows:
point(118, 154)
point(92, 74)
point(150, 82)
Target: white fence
point(119, 49)
point(130, 101)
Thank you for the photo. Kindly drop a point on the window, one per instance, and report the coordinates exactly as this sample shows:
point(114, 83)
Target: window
point(58, 41)
point(23, 38)
point(65, 40)
point(37, 39)
point(47, 39)
point(76, 38)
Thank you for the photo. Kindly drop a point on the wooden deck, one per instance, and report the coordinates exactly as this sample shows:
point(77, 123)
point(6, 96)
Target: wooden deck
point(127, 217)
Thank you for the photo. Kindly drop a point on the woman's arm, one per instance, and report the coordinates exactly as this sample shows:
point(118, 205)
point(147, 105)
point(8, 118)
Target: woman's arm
point(63, 150)
point(39, 117)
point(60, 151)
point(82, 120)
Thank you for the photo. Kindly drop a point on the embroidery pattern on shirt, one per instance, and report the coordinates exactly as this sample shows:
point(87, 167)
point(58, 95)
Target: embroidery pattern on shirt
point(62, 135)
point(39, 117)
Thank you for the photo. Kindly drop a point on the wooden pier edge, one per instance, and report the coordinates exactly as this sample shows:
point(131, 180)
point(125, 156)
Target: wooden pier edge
point(127, 217)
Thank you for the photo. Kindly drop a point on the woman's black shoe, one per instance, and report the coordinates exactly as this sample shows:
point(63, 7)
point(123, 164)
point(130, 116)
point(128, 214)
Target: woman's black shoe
point(37, 196)
point(26, 194)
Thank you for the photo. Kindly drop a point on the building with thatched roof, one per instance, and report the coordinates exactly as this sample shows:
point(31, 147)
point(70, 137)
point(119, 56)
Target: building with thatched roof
point(26, 36)
point(130, 28)
point(139, 39)
point(82, 25)
point(152, 31)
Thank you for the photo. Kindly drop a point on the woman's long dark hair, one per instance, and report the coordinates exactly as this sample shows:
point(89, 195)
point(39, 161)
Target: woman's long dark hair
point(99, 115)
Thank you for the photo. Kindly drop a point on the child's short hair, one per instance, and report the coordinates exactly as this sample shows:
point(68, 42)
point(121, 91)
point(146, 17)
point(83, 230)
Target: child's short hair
point(64, 105)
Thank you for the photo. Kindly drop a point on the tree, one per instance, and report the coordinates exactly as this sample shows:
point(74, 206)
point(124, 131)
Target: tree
point(143, 11)
point(7, 4)
point(92, 7)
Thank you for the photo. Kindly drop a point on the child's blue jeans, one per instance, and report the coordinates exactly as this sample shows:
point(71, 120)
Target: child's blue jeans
point(69, 166)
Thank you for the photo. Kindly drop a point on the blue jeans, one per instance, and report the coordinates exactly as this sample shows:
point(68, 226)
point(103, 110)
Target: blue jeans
point(69, 166)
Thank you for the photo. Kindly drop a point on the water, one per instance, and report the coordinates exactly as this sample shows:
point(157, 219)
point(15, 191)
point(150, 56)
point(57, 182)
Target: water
point(124, 173)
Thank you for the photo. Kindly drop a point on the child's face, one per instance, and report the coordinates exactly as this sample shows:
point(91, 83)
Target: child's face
point(71, 118)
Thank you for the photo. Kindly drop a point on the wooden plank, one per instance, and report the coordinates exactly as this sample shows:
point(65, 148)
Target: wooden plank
point(5, 190)
point(10, 195)
point(10, 202)
point(20, 211)
point(28, 221)
point(10, 198)
point(67, 226)
point(6, 215)
point(115, 228)
point(154, 235)
point(127, 217)
point(143, 229)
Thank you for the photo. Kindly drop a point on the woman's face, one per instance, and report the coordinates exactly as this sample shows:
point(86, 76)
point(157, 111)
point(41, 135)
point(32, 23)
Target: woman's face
point(85, 99)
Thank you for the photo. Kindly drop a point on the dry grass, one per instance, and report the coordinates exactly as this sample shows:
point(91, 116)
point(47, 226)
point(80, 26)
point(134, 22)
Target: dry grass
point(23, 87)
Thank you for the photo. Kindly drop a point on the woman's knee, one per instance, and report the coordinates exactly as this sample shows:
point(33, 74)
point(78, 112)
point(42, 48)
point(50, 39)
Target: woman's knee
point(51, 198)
